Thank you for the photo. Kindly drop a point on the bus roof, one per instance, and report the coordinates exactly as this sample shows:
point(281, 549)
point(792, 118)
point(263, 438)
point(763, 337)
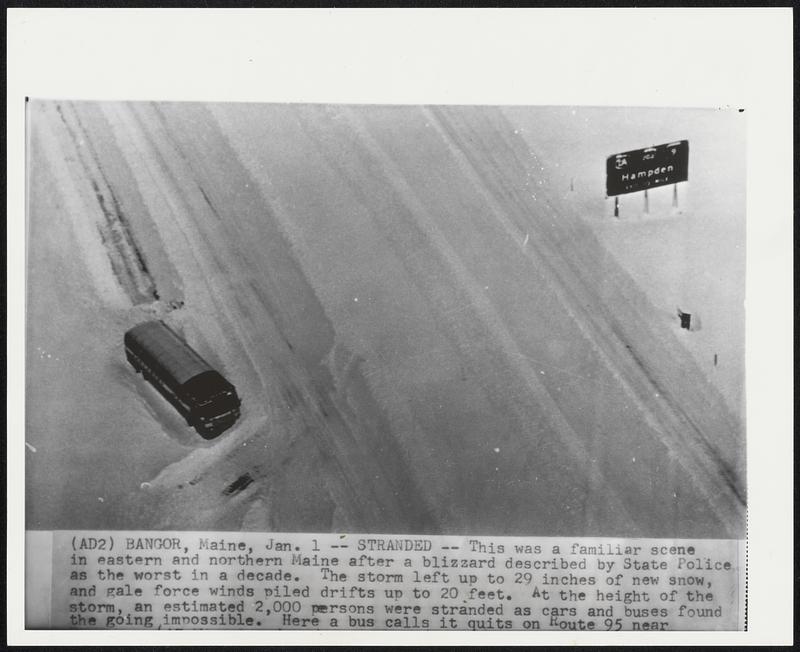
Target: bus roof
point(171, 352)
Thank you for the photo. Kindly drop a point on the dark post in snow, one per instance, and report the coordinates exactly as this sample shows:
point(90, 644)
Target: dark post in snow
point(686, 319)
point(651, 167)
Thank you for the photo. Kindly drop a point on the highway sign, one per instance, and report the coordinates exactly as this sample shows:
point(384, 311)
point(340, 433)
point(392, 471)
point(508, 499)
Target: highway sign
point(650, 167)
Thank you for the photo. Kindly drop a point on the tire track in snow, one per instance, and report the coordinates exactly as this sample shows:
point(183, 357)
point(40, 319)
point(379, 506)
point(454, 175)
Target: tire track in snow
point(76, 208)
point(712, 474)
point(123, 251)
point(491, 320)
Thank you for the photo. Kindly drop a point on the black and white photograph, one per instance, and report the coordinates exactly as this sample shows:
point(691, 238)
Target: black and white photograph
point(386, 319)
point(400, 326)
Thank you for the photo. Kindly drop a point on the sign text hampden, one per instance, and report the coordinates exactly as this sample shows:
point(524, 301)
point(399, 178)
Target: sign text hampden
point(651, 167)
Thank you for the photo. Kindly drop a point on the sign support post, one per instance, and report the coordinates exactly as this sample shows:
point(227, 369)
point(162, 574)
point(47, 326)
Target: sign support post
point(674, 195)
point(646, 202)
point(616, 206)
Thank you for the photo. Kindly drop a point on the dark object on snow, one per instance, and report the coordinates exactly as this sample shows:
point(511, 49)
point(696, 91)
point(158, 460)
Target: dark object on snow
point(650, 167)
point(686, 319)
point(241, 483)
point(207, 401)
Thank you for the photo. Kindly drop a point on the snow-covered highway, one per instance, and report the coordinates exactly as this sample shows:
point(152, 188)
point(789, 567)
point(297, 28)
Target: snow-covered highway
point(421, 342)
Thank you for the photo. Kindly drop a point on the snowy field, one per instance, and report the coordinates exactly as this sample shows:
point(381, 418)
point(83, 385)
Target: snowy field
point(434, 321)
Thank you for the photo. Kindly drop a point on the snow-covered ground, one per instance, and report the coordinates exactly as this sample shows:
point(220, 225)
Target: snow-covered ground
point(692, 257)
point(429, 330)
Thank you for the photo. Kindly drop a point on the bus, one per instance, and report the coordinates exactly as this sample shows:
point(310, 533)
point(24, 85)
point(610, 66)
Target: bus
point(207, 401)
